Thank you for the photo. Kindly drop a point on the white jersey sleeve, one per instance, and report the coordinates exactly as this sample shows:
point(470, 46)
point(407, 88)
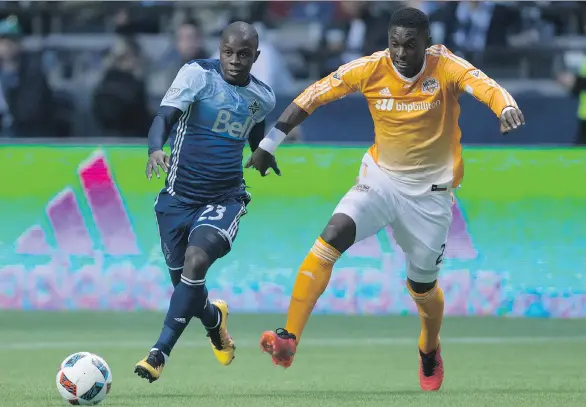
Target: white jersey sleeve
point(186, 87)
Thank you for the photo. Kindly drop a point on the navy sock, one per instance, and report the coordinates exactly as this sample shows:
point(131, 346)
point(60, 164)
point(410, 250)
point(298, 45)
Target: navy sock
point(178, 316)
point(203, 309)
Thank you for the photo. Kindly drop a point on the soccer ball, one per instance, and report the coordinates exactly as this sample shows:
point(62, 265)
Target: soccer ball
point(84, 379)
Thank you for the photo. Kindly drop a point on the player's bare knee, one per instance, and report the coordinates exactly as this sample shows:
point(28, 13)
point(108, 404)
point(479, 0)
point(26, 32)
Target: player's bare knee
point(421, 288)
point(340, 232)
point(206, 245)
point(196, 264)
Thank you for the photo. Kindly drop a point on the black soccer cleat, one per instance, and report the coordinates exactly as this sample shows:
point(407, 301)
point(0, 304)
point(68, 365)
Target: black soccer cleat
point(151, 367)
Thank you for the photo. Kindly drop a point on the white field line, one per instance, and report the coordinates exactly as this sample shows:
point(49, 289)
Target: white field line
point(309, 342)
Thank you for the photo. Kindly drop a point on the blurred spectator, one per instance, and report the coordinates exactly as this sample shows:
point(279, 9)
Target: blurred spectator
point(189, 45)
point(130, 19)
point(576, 84)
point(26, 105)
point(302, 11)
point(473, 23)
point(356, 33)
point(120, 102)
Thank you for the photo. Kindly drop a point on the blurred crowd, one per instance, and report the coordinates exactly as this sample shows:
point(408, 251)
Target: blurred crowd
point(100, 68)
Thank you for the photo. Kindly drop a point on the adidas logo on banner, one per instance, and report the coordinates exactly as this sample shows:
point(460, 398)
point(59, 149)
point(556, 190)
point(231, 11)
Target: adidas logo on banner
point(68, 228)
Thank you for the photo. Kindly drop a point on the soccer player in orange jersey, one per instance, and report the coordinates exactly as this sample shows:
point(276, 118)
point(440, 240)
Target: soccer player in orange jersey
point(406, 178)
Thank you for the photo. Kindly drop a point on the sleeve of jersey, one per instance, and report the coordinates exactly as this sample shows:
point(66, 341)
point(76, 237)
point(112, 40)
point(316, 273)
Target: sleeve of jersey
point(474, 82)
point(347, 79)
point(186, 86)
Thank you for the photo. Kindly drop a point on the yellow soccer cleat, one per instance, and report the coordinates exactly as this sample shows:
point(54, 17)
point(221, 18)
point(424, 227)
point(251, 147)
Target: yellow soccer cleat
point(220, 339)
point(151, 367)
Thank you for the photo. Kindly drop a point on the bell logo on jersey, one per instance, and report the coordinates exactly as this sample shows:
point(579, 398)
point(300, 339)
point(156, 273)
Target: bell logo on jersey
point(223, 125)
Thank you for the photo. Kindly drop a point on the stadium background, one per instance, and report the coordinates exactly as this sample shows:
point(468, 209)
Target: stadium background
point(78, 233)
point(519, 227)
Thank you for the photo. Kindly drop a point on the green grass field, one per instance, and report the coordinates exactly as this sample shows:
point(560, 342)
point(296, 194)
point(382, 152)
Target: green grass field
point(343, 361)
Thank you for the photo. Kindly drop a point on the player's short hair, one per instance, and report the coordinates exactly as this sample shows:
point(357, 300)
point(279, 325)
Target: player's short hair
point(241, 28)
point(409, 17)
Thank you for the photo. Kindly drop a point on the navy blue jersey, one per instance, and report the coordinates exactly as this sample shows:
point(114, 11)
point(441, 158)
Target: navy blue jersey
point(208, 140)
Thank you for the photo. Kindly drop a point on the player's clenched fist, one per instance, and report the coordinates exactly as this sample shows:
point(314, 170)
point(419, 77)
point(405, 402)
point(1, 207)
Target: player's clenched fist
point(263, 160)
point(157, 159)
point(511, 118)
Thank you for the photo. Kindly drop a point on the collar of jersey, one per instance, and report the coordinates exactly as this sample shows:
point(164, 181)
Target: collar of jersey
point(404, 78)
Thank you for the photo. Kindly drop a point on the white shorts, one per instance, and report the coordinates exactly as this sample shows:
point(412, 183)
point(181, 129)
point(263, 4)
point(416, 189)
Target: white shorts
point(420, 224)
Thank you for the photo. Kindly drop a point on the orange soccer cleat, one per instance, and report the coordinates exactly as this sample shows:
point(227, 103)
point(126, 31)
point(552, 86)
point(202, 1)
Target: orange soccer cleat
point(281, 345)
point(431, 370)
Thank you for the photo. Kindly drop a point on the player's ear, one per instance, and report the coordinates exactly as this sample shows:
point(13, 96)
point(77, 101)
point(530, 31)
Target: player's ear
point(256, 56)
point(429, 41)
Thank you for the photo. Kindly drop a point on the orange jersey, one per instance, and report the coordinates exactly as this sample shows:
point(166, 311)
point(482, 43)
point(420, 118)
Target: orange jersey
point(417, 137)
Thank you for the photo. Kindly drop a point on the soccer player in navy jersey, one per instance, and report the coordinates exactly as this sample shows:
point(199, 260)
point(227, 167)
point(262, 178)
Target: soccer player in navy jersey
point(212, 108)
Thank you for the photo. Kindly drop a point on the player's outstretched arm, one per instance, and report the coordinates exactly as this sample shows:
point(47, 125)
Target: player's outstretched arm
point(511, 118)
point(256, 135)
point(473, 81)
point(263, 157)
point(163, 122)
point(347, 79)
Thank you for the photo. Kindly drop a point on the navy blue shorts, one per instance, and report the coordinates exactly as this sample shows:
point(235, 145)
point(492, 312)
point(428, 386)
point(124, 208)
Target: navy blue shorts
point(177, 220)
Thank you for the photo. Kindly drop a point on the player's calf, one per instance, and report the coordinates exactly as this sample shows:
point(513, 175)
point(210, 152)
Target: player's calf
point(197, 262)
point(315, 271)
point(206, 245)
point(430, 302)
point(189, 299)
point(312, 279)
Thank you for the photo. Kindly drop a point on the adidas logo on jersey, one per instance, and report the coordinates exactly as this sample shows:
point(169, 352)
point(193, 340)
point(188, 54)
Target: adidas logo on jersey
point(385, 104)
point(223, 125)
point(385, 93)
